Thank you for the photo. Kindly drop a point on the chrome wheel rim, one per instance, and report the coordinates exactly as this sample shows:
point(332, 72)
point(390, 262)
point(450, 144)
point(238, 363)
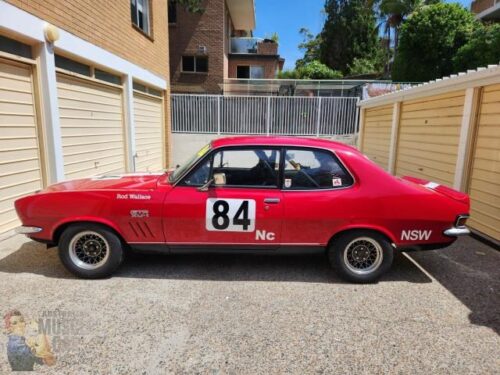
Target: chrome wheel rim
point(363, 255)
point(88, 250)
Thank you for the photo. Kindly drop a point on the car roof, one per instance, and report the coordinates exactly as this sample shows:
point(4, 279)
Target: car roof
point(281, 141)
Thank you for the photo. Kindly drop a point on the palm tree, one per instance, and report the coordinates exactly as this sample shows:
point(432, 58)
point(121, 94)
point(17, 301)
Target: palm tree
point(394, 13)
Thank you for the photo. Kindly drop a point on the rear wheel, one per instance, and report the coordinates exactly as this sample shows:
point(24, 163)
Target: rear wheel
point(90, 251)
point(361, 256)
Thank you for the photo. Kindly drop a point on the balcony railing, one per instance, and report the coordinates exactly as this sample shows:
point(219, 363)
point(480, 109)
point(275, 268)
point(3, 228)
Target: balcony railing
point(245, 45)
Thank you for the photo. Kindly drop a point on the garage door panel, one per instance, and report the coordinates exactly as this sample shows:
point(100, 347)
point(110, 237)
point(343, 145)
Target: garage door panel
point(12, 119)
point(92, 129)
point(19, 165)
point(94, 123)
point(428, 137)
point(19, 154)
point(21, 188)
point(484, 185)
point(22, 108)
point(148, 119)
point(20, 131)
point(78, 102)
point(7, 93)
point(18, 143)
point(86, 169)
point(89, 114)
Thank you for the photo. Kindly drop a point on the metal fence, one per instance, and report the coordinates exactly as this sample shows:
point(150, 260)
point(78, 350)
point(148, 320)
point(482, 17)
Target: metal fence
point(284, 115)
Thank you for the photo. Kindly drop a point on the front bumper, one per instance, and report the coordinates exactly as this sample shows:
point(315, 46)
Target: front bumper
point(456, 232)
point(28, 230)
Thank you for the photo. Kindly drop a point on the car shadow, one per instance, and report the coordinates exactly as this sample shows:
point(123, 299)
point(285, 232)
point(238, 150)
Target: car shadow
point(470, 270)
point(34, 258)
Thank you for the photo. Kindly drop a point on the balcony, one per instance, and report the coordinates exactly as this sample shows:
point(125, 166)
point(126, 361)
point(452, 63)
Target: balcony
point(257, 46)
point(486, 9)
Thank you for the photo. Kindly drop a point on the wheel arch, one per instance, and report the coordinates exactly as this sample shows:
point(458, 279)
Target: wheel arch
point(62, 226)
point(369, 228)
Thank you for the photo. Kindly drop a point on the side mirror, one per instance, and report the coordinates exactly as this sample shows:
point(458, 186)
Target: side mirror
point(219, 179)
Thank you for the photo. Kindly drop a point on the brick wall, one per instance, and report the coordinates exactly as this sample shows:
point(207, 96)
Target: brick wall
point(107, 24)
point(270, 64)
point(189, 32)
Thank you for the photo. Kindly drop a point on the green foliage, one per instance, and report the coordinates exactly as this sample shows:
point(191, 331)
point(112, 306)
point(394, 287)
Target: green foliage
point(193, 6)
point(288, 74)
point(317, 70)
point(349, 32)
point(370, 65)
point(310, 46)
point(482, 49)
point(430, 37)
point(312, 70)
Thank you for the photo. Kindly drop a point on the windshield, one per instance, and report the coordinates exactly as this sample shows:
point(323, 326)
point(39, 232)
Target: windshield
point(174, 176)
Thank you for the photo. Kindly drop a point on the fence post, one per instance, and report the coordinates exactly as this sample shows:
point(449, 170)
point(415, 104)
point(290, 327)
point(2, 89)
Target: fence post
point(218, 114)
point(268, 116)
point(356, 125)
point(318, 116)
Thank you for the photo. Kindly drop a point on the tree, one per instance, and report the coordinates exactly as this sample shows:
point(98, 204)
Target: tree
point(395, 12)
point(429, 39)
point(312, 70)
point(482, 49)
point(349, 32)
point(310, 46)
point(317, 70)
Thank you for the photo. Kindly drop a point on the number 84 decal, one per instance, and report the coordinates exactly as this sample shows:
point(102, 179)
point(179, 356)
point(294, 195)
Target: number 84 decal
point(230, 215)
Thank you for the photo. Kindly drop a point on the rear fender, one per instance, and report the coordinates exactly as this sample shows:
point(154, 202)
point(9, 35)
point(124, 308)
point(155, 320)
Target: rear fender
point(375, 228)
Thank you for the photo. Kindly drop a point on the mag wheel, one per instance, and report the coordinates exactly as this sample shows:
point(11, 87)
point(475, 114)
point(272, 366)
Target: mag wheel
point(90, 251)
point(361, 256)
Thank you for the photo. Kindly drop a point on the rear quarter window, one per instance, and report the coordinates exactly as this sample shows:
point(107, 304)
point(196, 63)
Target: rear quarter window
point(311, 169)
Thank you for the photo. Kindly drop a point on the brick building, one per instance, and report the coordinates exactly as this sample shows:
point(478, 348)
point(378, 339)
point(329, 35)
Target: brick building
point(216, 43)
point(486, 10)
point(83, 91)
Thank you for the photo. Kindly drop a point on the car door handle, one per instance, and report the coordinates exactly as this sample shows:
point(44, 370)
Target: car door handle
point(271, 200)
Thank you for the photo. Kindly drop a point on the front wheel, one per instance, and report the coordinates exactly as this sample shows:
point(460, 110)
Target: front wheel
point(90, 251)
point(361, 256)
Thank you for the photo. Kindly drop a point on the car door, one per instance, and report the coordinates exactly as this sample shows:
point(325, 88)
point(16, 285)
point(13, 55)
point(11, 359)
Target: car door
point(246, 210)
point(317, 195)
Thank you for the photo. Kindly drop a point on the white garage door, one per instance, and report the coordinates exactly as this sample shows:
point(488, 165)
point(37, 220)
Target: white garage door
point(149, 136)
point(92, 127)
point(20, 172)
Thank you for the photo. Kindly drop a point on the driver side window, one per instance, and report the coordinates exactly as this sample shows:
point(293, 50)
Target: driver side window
point(248, 167)
point(200, 175)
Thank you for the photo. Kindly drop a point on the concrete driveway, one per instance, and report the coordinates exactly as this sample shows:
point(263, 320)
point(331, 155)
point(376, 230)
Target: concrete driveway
point(435, 312)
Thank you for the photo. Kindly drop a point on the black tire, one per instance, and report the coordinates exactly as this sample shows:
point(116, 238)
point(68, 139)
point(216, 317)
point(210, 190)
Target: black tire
point(356, 255)
point(96, 237)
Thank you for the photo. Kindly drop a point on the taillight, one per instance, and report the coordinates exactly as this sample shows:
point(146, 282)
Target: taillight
point(461, 220)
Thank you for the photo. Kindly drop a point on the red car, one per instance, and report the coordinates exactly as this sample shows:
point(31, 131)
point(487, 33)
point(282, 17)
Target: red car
point(259, 194)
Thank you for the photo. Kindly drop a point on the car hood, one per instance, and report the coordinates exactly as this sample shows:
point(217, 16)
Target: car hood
point(133, 181)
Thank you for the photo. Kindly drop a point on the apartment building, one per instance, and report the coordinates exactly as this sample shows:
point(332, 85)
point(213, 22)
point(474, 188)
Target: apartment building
point(216, 43)
point(83, 91)
point(486, 10)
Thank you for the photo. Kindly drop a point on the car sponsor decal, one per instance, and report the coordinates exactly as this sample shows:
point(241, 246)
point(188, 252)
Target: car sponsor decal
point(413, 235)
point(288, 182)
point(139, 213)
point(336, 181)
point(133, 196)
point(230, 215)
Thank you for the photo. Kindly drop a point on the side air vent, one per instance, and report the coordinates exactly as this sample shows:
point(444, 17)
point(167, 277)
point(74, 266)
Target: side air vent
point(141, 229)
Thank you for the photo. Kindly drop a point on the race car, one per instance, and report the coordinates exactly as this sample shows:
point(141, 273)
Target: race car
point(249, 194)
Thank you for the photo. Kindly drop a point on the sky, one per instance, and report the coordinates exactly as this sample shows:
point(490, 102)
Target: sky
point(286, 17)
